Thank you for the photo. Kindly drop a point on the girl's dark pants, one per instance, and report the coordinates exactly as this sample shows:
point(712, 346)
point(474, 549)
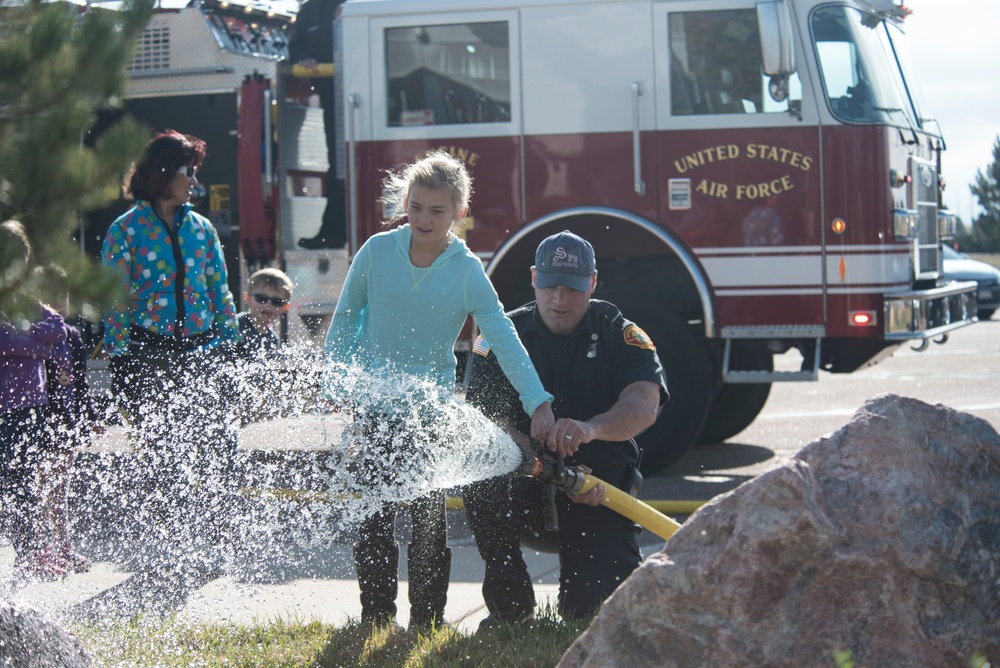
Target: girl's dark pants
point(376, 554)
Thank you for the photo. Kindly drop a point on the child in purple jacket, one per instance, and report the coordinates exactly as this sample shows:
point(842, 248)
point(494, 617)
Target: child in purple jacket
point(71, 418)
point(26, 340)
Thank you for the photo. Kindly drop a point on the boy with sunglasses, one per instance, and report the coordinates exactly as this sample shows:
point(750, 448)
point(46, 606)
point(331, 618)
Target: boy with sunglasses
point(268, 294)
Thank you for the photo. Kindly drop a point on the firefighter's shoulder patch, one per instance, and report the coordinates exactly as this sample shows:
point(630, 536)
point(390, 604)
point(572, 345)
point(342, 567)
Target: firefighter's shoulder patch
point(634, 336)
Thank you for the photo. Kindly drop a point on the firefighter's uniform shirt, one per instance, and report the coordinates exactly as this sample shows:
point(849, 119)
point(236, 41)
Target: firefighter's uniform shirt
point(586, 371)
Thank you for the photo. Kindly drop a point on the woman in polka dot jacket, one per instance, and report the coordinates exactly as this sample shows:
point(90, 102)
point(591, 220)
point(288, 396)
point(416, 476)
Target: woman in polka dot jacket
point(170, 258)
point(164, 336)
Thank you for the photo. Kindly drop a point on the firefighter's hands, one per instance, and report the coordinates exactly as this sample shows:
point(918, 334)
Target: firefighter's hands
point(541, 422)
point(594, 497)
point(562, 436)
point(566, 436)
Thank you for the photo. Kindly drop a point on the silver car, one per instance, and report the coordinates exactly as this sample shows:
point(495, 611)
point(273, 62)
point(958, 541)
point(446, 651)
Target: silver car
point(961, 267)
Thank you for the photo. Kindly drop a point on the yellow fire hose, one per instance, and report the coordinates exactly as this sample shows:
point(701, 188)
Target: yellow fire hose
point(321, 70)
point(632, 508)
point(648, 514)
point(664, 506)
point(571, 480)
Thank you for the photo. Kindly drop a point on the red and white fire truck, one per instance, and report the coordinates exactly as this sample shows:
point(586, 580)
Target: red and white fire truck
point(756, 177)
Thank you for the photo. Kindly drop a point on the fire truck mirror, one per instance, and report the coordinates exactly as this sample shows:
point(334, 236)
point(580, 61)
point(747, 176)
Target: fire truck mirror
point(774, 21)
point(778, 87)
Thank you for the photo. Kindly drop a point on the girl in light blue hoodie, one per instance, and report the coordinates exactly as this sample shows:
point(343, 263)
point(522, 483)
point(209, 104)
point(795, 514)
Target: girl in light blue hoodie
point(404, 302)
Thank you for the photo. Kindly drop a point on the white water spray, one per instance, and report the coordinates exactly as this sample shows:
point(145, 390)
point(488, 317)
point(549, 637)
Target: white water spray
point(290, 498)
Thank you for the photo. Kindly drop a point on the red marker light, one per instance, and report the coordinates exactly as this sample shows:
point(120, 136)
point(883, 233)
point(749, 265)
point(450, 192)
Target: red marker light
point(862, 318)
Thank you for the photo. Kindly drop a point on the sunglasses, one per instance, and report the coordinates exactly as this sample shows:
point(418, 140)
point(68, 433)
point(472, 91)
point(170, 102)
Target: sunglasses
point(265, 299)
point(188, 171)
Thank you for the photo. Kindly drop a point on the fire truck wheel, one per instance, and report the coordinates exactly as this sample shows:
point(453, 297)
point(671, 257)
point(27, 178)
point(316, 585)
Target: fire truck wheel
point(737, 405)
point(686, 362)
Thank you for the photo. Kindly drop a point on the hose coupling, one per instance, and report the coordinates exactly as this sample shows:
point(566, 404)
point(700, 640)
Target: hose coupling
point(568, 479)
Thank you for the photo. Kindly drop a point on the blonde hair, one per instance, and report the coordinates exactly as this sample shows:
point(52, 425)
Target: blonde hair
point(271, 278)
point(16, 276)
point(15, 258)
point(435, 171)
point(14, 230)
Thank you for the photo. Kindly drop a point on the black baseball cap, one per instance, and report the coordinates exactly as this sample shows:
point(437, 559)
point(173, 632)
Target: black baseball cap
point(565, 259)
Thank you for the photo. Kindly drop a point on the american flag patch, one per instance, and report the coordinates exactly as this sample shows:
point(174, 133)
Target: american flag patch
point(480, 347)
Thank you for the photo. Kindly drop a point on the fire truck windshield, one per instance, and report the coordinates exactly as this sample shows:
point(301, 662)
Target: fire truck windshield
point(867, 73)
point(925, 116)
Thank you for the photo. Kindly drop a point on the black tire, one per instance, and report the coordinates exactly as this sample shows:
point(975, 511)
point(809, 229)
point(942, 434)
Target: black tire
point(736, 406)
point(685, 360)
point(986, 313)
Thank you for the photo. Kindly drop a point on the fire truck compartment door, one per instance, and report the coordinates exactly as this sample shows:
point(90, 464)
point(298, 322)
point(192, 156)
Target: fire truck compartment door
point(588, 107)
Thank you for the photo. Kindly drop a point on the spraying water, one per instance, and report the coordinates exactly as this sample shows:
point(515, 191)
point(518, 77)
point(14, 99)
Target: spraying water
point(176, 509)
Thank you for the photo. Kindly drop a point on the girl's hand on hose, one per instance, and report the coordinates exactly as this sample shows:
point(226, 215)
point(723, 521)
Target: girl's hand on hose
point(541, 422)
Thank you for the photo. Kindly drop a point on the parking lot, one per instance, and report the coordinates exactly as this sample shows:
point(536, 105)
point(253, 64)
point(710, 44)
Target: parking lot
point(963, 373)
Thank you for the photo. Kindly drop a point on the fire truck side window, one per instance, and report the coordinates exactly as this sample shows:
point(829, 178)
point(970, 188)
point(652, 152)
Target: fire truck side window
point(716, 68)
point(448, 74)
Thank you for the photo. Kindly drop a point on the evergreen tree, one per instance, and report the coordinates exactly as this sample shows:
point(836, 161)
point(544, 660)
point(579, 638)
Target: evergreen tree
point(986, 231)
point(59, 65)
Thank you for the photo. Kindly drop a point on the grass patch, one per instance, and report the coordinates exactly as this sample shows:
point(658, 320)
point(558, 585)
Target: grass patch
point(172, 642)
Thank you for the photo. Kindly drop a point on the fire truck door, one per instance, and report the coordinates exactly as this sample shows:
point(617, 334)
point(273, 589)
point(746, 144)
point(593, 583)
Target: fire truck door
point(739, 160)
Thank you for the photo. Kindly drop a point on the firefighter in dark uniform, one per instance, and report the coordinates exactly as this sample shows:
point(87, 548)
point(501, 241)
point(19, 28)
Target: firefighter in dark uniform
point(609, 386)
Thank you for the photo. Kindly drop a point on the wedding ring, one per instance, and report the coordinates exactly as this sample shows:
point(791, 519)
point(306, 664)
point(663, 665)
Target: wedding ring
point(568, 437)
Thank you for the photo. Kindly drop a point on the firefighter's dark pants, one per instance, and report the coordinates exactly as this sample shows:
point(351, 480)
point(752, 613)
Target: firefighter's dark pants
point(597, 548)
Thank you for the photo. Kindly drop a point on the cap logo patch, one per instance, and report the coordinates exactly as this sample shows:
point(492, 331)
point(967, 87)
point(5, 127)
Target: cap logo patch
point(563, 259)
point(634, 336)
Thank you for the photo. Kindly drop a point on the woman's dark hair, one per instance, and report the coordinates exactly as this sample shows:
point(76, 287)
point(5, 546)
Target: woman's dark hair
point(159, 161)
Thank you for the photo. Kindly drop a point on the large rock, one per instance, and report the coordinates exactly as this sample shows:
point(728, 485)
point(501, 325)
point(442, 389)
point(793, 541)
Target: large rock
point(28, 640)
point(878, 545)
